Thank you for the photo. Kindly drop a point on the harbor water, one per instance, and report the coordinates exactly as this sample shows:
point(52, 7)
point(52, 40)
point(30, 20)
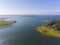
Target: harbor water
point(24, 32)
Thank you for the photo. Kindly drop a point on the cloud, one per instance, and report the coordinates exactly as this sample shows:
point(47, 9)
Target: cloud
point(28, 12)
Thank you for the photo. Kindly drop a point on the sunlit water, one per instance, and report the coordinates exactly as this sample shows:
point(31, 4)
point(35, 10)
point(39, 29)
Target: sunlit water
point(24, 31)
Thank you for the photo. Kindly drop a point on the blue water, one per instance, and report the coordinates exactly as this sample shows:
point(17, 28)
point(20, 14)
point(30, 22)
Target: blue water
point(24, 31)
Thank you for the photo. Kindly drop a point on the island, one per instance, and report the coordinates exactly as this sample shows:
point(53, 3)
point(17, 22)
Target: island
point(50, 28)
point(6, 23)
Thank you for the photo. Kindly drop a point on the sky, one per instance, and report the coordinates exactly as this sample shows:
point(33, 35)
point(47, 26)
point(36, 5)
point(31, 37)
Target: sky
point(13, 7)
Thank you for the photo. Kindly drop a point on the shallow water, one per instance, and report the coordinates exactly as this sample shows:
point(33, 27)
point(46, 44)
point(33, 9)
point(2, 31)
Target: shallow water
point(24, 33)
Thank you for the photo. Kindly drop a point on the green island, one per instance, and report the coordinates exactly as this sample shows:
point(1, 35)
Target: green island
point(51, 28)
point(6, 26)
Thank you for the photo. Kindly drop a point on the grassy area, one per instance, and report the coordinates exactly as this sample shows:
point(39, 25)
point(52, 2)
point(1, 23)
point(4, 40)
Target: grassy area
point(48, 31)
point(6, 26)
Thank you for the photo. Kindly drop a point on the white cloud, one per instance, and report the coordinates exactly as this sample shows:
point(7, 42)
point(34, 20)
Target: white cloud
point(27, 12)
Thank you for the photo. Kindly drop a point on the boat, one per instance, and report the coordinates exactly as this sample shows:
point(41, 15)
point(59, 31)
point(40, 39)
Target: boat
point(51, 28)
point(6, 23)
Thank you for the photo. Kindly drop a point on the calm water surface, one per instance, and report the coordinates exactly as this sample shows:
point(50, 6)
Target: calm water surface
point(24, 33)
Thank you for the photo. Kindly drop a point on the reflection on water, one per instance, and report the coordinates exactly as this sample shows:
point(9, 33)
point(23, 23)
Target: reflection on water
point(24, 33)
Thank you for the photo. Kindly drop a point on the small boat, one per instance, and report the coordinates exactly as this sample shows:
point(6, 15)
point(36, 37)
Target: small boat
point(6, 23)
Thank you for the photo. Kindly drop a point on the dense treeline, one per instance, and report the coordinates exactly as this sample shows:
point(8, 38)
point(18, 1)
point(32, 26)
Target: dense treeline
point(54, 24)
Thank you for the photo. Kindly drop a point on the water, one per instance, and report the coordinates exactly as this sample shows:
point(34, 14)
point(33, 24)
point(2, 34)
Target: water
point(24, 31)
